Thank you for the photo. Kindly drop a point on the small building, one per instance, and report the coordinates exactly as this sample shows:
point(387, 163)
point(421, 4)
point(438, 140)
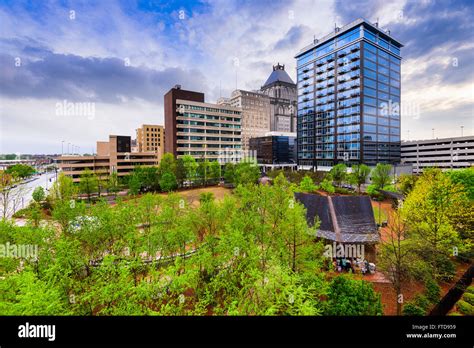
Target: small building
point(112, 156)
point(343, 220)
point(151, 138)
point(275, 150)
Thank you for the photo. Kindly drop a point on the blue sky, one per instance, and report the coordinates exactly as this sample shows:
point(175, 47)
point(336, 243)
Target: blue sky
point(124, 55)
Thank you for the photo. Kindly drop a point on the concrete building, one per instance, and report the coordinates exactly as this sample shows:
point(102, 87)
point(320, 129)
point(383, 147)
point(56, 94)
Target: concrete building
point(281, 90)
point(256, 113)
point(151, 138)
point(112, 156)
point(202, 130)
point(446, 153)
point(349, 97)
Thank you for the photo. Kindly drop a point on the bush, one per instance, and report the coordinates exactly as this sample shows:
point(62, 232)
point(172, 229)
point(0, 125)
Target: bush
point(422, 302)
point(168, 182)
point(432, 290)
point(411, 309)
point(327, 186)
point(470, 289)
point(469, 298)
point(465, 308)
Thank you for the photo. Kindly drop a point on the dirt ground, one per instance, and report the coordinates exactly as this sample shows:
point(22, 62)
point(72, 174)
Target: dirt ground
point(192, 195)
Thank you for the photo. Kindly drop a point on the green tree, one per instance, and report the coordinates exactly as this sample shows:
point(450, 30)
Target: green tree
point(38, 194)
point(63, 188)
point(134, 183)
point(348, 296)
point(113, 184)
point(359, 175)
point(168, 164)
point(180, 172)
point(381, 175)
point(229, 172)
point(406, 183)
point(168, 182)
point(338, 173)
point(203, 171)
point(88, 183)
point(307, 184)
point(215, 171)
point(190, 166)
point(246, 173)
point(20, 170)
point(464, 177)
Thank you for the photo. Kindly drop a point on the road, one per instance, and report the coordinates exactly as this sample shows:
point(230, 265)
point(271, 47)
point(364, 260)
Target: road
point(21, 196)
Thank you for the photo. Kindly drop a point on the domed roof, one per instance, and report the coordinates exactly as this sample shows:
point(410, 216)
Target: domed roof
point(278, 75)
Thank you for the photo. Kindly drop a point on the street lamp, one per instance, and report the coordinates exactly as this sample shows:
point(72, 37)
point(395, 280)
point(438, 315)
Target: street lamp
point(68, 152)
point(62, 147)
point(462, 130)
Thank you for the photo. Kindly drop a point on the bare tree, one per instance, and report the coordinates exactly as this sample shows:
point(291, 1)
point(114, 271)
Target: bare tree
point(11, 194)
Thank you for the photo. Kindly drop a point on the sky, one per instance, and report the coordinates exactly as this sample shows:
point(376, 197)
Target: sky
point(113, 61)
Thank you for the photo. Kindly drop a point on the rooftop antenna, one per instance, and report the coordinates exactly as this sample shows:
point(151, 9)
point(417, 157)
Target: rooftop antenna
point(377, 23)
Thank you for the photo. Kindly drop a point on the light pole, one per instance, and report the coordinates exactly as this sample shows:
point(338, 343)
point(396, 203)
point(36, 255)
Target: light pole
point(62, 147)
point(462, 130)
point(432, 129)
point(68, 144)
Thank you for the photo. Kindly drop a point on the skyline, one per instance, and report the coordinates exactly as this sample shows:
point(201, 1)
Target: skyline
point(124, 56)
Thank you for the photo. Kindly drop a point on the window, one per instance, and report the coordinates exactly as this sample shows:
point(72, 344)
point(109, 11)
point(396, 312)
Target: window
point(369, 82)
point(369, 64)
point(395, 91)
point(395, 49)
point(370, 73)
point(370, 119)
point(395, 75)
point(369, 55)
point(383, 121)
point(370, 128)
point(383, 54)
point(370, 92)
point(369, 36)
point(370, 101)
point(383, 130)
point(383, 95)
point(382, 87)
point(383, 70)
point(383, 61)
point(370, 110)
point(306, 58)
point(383, 78)
point(394, 60)
point(370, 136)
point(394, 83)
point(383, 43)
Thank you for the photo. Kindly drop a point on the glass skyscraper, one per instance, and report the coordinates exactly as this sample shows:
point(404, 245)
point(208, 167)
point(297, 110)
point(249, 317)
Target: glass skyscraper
point(349, 97)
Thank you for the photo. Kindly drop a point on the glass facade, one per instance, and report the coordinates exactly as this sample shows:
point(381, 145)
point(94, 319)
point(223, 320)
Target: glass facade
point(349, 99)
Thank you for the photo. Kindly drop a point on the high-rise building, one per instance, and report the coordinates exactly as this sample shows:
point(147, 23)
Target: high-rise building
point(151, 138)
point(281, 90)
point(202, 130)
point(255, 114)
point(349, 97)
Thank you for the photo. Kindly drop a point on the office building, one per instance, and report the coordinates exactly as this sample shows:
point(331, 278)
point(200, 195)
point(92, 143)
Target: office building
point(255, 113)
point(112, 156)
point(275, 148)
point(349, 97)
point(151, 138)
point(281, 90)
point(202, 130)
point(446, 153)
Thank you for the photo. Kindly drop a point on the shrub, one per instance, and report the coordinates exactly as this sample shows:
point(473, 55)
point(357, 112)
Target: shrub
point(327, 186)
point(168, 182)
point(411, 309)
point(465, 308)
point(432, 290)
point(470, 289)
point(469, 298)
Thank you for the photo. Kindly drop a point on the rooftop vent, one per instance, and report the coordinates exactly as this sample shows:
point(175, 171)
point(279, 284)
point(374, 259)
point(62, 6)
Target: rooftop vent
point(177, 86)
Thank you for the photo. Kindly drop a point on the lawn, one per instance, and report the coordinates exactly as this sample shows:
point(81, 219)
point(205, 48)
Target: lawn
point(383, 214)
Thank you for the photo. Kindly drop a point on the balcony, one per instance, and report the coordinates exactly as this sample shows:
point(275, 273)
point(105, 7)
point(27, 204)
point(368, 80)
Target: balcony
point(306, 91)
point(330, 84)
point(342, 54)
point(355, 67)
point(343, 88)
point(354, 58)
point(320, 63)
point(356, 103)
point(343, 97)
point(320, 88)
point(330, 59)
point(355, 85)
point(342, 80)
point(305, 70)
point(330, 76)
point(355, 76)
point(320, 95)
point(355, 94)
point(306, 77)
point(305, 99)
point(306, 84)
point(330, 92)
point(342, 71)
point(341, 63)
point(320, 71)
point(355, 49)
point(330, 67)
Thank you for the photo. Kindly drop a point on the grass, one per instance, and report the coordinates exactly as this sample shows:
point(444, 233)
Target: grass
point(383, 214)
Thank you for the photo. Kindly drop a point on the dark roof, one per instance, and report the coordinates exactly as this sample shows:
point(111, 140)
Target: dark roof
point(345, 219)
point(393, 195)
point(278, 75)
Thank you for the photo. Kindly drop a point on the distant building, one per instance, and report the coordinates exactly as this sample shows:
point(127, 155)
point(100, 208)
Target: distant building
point(112, 156)
point(151, 138)
point(255, 113)
point(202, 130)
point(281, 90)
point(276, 148)
point(446, 153)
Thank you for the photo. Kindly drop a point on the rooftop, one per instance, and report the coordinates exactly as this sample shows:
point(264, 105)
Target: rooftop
point(278, 75)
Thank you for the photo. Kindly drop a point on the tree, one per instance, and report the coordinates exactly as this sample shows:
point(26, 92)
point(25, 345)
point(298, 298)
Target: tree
point(381, 175)
point(215, 171)
point(180, 172)
point(38, 194)
point(168, 182)
point(381, 178)
point(359, 175)
point(63, 188)
point(338, 173)
point(167, 164)
point(246, 173)
point(326, 185)
point(229, 172)
point(432, 210)
point(190, 166)
point(203, 171)
point(113, 184)
point(464, 177)
point(11, 194)
point(395, 256)
point(348, 296)
point(307, 184)
point(134, 183)
point(406, 183)
point(88, 183)
point(20, 170)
